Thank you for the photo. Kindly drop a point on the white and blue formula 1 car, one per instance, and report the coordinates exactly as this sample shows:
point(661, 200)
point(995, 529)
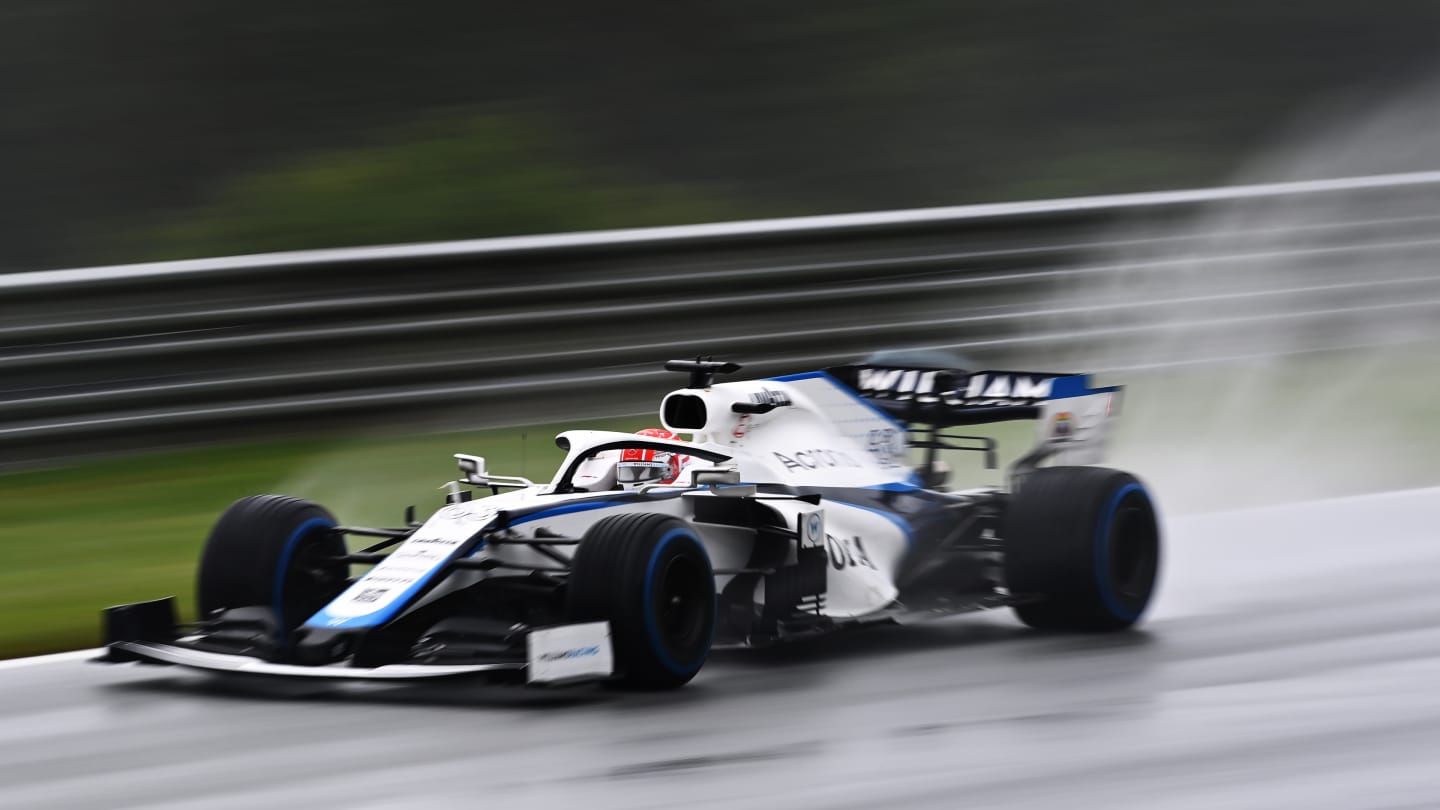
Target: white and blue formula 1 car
point(799, 511)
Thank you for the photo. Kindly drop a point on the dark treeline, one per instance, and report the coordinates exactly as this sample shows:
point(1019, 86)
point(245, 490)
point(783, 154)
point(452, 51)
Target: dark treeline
point(175, 127)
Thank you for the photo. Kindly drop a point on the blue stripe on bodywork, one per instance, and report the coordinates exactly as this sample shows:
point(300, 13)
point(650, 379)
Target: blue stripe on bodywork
point(897, 486)
point(566, 509)
point(601, 501)
point(1077, 385)
point(325, 620)
point(845, 389)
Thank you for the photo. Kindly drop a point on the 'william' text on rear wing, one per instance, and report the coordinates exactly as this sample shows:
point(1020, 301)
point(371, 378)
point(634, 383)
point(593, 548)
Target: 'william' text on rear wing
point(1072, 415)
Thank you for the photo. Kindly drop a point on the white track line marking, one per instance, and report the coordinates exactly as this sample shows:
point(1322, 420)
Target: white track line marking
point(52, 658)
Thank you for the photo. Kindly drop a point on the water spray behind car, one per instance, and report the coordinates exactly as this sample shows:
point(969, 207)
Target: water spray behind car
point(1287, 349)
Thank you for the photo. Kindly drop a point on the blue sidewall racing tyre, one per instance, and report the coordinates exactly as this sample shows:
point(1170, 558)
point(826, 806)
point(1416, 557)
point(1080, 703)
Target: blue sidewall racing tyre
point(648, 575)
point(271, 551)
point(1083, 545)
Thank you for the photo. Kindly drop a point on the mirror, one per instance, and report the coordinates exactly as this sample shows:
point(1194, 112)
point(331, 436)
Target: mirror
point(714, 476)
point(472, 468)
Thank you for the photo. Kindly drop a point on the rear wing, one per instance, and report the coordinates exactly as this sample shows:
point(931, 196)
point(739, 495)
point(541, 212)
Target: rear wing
point(951, 397)
point(1073, 417)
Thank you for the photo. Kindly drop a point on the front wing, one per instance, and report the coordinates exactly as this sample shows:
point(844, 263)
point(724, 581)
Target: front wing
point(154, 653)
point(146, 632)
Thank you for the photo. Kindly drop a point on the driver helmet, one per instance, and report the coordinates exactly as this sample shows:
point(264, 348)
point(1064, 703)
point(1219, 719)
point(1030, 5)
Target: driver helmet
point(639, 466)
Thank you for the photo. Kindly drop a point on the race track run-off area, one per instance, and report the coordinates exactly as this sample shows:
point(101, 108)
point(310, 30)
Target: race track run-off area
point(1292, 661)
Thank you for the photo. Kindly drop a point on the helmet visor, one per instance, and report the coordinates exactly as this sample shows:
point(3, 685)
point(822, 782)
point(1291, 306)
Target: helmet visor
point(641, 472)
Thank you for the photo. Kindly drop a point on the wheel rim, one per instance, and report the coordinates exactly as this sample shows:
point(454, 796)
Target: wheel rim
point(1134, 550)
point(312, 579)
point(679, 609)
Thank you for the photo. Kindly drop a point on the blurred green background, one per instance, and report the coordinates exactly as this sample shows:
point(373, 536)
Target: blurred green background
point(174, 128)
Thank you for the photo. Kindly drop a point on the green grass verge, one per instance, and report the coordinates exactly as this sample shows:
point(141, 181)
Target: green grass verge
point(82, 538)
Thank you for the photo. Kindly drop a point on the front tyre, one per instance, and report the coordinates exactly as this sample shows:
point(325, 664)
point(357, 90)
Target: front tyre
point(275, 552)
point(1084, 542)
point(650, 577)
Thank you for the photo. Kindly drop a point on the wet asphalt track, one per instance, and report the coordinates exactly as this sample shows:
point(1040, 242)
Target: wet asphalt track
point(1292, 661)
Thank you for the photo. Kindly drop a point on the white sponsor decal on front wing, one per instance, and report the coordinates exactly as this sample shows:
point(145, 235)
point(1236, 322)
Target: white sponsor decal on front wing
point(570, 652)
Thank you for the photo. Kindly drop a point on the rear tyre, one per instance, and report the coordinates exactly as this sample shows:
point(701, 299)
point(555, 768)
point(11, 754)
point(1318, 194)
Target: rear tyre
point(270, 551)
point(649, 576)
point(1085, 542)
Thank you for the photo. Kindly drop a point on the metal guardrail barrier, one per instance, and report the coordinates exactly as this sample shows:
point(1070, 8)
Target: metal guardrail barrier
point(508, 330)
